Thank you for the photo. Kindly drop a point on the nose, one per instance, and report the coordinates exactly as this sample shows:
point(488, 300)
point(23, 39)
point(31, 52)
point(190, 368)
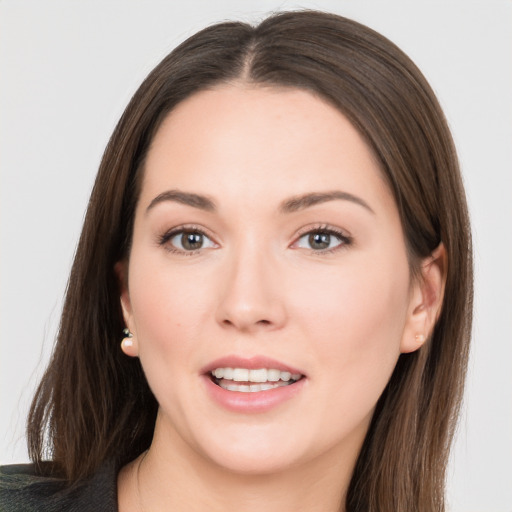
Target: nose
point(252, 295)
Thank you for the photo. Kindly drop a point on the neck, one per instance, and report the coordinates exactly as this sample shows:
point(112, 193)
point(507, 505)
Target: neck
point(172, 476)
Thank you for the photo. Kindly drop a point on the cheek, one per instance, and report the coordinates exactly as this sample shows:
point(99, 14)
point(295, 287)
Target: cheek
point(356, 315)
point(170, 310)
point(169, 307)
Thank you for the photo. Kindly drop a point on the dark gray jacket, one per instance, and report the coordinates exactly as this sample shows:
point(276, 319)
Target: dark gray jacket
point(21, 490)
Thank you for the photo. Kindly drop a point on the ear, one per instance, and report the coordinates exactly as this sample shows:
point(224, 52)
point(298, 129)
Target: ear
point(129, 344)
point(426, 300)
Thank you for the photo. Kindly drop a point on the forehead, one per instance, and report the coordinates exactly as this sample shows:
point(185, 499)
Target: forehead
point(252, 142)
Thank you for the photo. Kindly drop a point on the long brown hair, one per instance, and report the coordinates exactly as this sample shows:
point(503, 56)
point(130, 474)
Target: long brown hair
point(94, 404)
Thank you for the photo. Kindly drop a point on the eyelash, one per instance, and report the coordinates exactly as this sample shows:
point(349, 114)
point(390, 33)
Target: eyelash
point(343, 238)
point(169, 235)
point(324, 229)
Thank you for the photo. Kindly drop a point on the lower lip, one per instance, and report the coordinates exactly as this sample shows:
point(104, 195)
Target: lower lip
point(259, 401)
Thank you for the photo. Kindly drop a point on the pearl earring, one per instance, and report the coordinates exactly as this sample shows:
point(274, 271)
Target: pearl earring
point(128, 339)
point(420, 338)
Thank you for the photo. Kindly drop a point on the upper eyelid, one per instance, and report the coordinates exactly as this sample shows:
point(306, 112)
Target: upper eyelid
point(323, 228)
point(188, 227)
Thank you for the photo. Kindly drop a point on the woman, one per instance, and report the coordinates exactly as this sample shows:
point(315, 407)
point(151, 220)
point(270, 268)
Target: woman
point(280, 226)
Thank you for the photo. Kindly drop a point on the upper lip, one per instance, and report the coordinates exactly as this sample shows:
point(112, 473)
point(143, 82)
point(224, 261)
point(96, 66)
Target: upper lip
point(251, 363)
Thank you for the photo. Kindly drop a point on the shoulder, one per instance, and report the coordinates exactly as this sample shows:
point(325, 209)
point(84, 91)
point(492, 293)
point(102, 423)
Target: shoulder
point(23, 489)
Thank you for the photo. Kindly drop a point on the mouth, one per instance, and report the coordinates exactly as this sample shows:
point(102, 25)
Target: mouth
point(249, 380)
point(256, 384)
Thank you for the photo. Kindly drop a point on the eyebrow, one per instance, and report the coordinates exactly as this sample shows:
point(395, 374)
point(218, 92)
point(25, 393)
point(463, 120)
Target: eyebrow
point(291, 205)
point(187, 198)
point(298, 203)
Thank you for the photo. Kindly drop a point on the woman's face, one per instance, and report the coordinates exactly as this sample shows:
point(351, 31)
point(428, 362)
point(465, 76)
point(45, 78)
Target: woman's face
point(265, 238)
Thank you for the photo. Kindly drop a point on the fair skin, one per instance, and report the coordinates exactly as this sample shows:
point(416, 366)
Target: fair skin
point(321, 286)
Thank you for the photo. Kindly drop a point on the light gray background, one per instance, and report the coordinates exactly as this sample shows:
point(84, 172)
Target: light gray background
point(68, 68)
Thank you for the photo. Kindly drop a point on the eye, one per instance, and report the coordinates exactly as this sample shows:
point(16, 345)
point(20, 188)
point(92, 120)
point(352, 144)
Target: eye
point(186, 240)
point(322, 240)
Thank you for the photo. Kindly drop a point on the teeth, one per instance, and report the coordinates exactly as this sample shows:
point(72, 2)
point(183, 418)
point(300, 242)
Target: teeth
point(273, 375)
point(260, 375)
point(240, 374)
point(285, 376)
point(252, 388)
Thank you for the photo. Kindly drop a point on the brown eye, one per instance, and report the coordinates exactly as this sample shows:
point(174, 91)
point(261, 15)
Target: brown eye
point(319, 240)
point(187, 241)
point(191, 241)
point(322, 240)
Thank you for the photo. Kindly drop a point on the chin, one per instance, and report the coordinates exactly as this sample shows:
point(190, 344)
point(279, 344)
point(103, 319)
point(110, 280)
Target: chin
point(254, 451)
point(254, 462)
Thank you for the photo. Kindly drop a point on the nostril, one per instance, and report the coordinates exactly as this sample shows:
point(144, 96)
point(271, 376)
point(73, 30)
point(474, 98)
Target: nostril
point(228, 322)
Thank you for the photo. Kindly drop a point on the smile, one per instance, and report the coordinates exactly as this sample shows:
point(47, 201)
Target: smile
point(246, 380)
